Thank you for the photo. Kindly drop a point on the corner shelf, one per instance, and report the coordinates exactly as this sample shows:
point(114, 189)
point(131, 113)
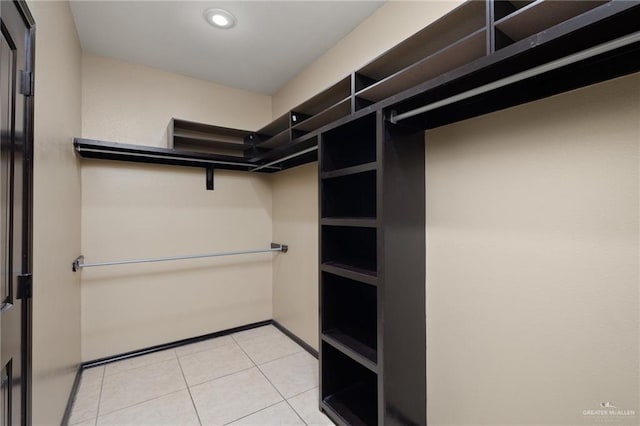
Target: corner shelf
point(204, 138)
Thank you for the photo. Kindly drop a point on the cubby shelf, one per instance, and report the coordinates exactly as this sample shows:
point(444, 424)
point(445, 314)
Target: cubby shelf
point(349, 388)
point(459, 53)
point(353, 348)
point(352, 406)
point(351, 170)
point(540, 15)
point(363, 222)
point(362, 275)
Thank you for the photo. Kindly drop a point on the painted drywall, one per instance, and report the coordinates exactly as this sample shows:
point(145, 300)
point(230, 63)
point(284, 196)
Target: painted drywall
point(137, 211)
point(389, 25)
point(56, 215)
point(533, 260)
point(295, 274)
point(130, 103)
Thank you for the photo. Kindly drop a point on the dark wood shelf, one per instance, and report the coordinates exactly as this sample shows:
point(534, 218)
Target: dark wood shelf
point(326, 98)
point(457, 24)
point(541, 15)
point(353, 348)
point(353, 406)
point(455, 55)
point(361, 222)
point(365, 276)
point(336, 111)
point(275, 127)
point(102, 150)
point(183, 142)
point(347, 171)
point(275, 141)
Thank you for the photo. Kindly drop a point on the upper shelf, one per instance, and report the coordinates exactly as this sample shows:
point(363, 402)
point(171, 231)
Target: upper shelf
point(469, 47)
point(536, 16)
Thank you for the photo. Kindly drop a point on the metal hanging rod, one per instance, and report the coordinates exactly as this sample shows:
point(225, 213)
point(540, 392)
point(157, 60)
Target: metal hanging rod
point(289, 157)
point(541, 69)
point(79, 262)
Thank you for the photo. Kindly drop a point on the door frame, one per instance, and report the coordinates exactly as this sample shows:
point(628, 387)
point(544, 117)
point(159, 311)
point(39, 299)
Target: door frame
point(27, 259)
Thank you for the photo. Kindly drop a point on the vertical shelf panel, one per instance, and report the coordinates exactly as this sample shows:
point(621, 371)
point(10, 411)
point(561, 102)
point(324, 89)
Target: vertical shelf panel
point(403, 275)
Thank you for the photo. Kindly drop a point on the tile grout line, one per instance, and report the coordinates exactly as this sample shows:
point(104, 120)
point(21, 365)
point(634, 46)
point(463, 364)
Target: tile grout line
point(203, 350)
point(265, 376)
point(146, 400)
point(251, 414)
point(189, 391)
point(284, 399)
point(104, 371)
point(273, 386)
point(141, 402)
point(141, 366)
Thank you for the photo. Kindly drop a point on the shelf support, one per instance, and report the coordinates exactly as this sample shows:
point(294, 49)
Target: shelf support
point(209, 178)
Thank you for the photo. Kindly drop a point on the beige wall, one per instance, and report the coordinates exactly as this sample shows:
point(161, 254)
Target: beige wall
point(295, 274)
point(390, 24)
point(130, 103)
point(132, 210)
point(532, 261)
point(56, 220)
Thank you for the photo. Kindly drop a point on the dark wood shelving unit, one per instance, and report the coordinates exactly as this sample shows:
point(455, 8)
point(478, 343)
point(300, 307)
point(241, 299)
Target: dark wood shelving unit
point(360, 225)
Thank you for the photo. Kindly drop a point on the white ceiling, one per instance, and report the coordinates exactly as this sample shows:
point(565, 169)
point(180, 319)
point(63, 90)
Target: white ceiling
point(271, 42)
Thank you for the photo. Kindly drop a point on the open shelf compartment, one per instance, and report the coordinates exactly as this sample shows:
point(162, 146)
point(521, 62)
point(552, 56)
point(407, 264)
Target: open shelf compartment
point(349, 145)
point(350, 196)
point(349, 319)
point(457, 24)
point(350, 248)
point(197, 137)
point(534, 17)
point(349, 390)
point(457, 54)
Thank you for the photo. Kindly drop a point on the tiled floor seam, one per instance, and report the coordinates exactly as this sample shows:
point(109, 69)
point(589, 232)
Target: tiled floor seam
point(273, 386)
point(136, 368)
point(251, 414)
point(200, 350)
point(137, 403)
point(226, 375)
point(189, 390)
point(104, 371)
point(285, 399)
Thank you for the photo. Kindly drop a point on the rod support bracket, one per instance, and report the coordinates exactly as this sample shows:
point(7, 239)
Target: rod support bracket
point(77, 264)
point(283, 248)
point(392, 116)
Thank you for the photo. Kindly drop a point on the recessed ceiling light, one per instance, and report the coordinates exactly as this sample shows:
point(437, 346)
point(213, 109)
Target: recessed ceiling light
point(219, 18)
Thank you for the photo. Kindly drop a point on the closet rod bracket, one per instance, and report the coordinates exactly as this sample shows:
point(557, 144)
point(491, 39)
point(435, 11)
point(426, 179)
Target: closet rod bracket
point(77, 263)
point(283, 247)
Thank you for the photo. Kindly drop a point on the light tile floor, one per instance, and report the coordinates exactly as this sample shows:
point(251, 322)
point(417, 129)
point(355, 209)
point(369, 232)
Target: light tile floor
point(255, 377)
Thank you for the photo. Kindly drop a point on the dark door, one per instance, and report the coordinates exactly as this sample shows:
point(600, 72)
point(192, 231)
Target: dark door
point(16, 107)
